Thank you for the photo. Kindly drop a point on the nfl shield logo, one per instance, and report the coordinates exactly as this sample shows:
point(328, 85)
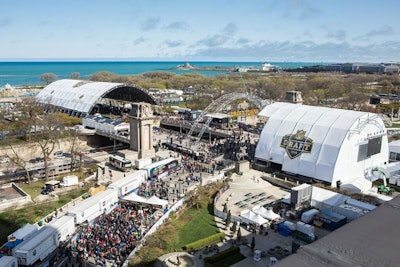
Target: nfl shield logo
point(296, 144)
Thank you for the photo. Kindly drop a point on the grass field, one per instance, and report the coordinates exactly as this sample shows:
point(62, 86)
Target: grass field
point(32, 189)
point(185, 227)
point(13, 219)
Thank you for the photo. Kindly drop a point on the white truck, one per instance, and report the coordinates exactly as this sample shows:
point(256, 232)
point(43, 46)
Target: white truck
point(65, 226)
point(23, 233)
point(141, 163)
point(8, 261)
point(70, 180)
point(42, 244)
point(129, 183)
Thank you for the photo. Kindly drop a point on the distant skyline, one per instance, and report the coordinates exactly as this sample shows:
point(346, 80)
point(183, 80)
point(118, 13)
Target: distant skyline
point(186, 30)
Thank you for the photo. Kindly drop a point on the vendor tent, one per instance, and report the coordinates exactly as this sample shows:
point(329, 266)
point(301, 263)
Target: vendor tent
point(157, 202)
point(153, 201)
point(134, 198)
point(265, 213)
point(248, 216)
point(325, 199)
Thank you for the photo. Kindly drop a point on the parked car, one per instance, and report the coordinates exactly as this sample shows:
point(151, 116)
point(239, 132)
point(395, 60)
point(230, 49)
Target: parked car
point(67, 155)
point(86, 195)
point(46, 190)
point(59, 155)
point(38, 160)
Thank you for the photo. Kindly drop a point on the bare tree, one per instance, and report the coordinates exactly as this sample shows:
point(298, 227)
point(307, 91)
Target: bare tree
point(75, 75)
point(17, 159)
point(30, 110)
point(48, 77)
point(73, 145)
point(47, 135)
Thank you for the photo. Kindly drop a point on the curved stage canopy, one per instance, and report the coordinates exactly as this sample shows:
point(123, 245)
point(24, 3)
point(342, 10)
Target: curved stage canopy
point(323, 143)
point(78, 97)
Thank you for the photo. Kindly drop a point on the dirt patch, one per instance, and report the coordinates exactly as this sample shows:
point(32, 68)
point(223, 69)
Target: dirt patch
point(45, 198)
point(8, 193)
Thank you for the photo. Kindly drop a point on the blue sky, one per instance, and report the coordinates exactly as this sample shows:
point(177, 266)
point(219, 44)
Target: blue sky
point(217, 30)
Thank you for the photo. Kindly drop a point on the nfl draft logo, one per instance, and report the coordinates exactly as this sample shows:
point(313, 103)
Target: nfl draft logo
point(296, 144)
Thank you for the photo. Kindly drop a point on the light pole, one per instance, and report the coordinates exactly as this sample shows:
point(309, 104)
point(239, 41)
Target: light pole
point(178, 192)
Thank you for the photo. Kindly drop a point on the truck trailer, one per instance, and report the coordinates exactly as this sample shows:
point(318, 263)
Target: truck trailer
point(141, 163)
point(65, 227)
point(8, 261)
point(42, 244)
point(93, 206)
point(129, 183)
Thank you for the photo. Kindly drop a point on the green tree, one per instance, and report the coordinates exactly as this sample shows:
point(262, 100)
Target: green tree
point(225, 208)
point(239, 234)
point(48, 77)
point(233, 228)
point(228, 218)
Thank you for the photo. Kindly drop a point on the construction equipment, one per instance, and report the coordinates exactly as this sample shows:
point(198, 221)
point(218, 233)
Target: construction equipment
point(383, 188)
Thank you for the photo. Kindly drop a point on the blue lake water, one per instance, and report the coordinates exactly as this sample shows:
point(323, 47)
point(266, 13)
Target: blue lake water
point(21, 73)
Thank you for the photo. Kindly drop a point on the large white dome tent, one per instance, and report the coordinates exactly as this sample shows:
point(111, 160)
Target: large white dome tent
point(326, 144)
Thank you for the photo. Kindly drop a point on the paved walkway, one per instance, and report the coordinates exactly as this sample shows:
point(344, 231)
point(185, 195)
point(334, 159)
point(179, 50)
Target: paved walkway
point(240, 186)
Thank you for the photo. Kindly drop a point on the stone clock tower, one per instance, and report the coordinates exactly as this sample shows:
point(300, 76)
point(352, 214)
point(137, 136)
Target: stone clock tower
point(141, 129)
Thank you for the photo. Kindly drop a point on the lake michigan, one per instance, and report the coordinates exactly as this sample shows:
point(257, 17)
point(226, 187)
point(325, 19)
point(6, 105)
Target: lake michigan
point(20, 73)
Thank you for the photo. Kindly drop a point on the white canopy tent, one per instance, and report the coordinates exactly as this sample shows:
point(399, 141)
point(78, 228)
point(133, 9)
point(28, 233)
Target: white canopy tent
point(265, 213)
point(153, 201)
point(248, 216)
point(134, 198)
point(326, 199)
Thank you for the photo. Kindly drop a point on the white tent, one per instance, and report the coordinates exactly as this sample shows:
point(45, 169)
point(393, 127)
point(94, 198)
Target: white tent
point(248, 216)
point(155, 201)
point(327, 144)
point(134, 198)
point(326, 199)
point(265, 213)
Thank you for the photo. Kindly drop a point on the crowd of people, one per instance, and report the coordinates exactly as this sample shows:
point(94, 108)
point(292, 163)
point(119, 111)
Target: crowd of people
point(112, 237)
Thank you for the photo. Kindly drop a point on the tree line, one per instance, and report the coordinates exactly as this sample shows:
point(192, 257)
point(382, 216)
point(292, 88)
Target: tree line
point(349, 91)
point(35, 128)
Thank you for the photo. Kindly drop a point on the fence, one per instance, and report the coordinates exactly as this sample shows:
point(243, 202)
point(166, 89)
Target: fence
point(160, 222)
point(164, 218)
point(221, 214)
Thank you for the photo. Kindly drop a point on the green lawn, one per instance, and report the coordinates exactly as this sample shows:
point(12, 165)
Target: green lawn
point(190, 225)
point(13, 219)
point(33, 189)
point(194, 224)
